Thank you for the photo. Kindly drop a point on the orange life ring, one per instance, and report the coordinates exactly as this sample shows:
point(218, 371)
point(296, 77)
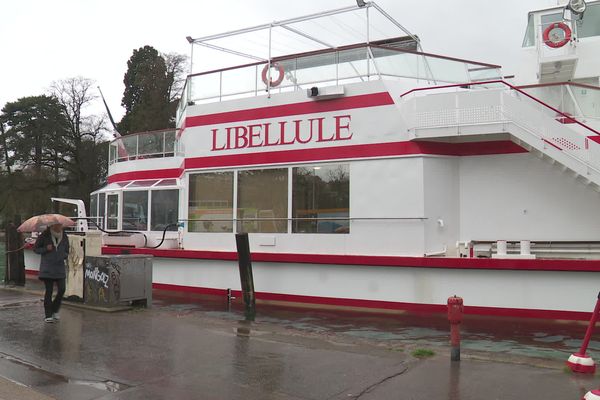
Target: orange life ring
point(556, 44)
point(279, 79)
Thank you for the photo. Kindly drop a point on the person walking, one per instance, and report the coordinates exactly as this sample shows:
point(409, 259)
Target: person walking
point(53, 246)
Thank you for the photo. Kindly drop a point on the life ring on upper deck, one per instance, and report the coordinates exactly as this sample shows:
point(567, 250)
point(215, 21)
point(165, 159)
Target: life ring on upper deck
point(555, 42)
point(279, 79)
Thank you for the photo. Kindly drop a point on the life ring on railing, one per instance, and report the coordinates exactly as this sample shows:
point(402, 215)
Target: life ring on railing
point(555, 42)
point(279, 79)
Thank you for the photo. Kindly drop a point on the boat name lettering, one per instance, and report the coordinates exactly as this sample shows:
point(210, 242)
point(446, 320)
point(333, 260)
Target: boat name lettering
point(300, 131)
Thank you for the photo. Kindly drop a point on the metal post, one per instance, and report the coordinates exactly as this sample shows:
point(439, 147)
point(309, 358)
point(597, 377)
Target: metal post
point(246, 278)
point(269, 64)
point(189, 79)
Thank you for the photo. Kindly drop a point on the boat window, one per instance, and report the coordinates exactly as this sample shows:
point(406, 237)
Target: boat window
point(550, 19)
point(101, 210)
point(165, 209)
point(94, 205)
point(590, 24)
point(210, 206)
point(529, 39)
point(142, 183)
point(135, 210)
point(319, 193)
point(123, 184)
point(167, 182)
point(93, 214)
point(263, 200)
point(112, 210)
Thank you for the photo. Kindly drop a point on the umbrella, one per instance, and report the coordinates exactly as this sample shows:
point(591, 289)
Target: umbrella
point(41, 222)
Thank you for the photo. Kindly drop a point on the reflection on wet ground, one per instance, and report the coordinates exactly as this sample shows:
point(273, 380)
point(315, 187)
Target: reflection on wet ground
point(198, 347)
point(520, 337)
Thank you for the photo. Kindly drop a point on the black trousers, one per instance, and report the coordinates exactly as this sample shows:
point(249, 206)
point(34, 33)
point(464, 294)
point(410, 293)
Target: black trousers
point(52, 306)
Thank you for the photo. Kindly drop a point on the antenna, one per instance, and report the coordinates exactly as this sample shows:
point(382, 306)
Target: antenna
point(110, 117)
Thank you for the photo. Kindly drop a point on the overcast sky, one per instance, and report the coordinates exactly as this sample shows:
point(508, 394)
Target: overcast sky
point(42, 41)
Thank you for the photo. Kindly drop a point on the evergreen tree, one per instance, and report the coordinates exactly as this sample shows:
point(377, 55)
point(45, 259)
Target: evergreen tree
point(146, 96)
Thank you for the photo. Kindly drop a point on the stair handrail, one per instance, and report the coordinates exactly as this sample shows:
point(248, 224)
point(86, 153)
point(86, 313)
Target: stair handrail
point(570, 117)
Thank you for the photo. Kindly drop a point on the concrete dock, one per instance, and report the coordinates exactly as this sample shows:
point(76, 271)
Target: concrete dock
point(183, 348)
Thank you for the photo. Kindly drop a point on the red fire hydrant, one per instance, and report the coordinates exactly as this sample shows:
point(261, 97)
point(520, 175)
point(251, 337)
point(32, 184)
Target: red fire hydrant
point(455, 316)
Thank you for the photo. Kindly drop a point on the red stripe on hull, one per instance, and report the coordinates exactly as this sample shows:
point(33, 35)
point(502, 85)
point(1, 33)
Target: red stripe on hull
point(326, 154)
point(148, 174)
point(308, 107)
point(377, 261)
point(356, 151)
point(387, 305)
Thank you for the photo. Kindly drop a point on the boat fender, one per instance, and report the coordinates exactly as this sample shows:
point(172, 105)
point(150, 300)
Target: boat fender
point(555, 44)
point(279, 79)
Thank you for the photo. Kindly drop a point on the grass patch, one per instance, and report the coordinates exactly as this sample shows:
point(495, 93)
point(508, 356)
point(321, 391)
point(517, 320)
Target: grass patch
point(423, 353)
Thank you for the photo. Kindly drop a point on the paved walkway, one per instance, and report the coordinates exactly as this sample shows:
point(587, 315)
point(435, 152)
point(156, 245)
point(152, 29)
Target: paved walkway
point(175, 351)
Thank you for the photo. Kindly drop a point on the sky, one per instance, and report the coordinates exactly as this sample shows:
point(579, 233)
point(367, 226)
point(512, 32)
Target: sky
point(42, 41)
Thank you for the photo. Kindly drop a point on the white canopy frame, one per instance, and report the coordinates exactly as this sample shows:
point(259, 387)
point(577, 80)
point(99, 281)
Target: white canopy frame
point(321, 41)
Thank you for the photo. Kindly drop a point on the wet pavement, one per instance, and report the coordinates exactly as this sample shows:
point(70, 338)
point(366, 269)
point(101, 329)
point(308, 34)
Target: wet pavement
point(195, 347)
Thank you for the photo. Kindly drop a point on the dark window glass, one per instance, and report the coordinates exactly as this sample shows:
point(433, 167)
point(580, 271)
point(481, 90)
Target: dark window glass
point(112, 211)
point(590, 24)
point(210, 206)
point(135, 210)
point(321, 199)
point(94, 205)
point(101, 211)
point(165, 209)
point(263, 200)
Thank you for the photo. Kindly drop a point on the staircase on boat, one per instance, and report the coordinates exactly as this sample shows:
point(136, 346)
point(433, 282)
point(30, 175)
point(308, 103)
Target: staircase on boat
point(477, 111)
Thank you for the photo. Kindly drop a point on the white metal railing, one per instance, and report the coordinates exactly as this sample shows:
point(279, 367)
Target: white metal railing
point(331, 67)
point(502, 103)
point(156, 144)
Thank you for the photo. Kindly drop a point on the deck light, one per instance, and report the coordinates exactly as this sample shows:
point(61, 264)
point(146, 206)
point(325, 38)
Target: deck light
point(577, 7)
point(361, 3)
point(189, 39)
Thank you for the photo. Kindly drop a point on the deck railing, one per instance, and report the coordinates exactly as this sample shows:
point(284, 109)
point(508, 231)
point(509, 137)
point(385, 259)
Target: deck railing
point(155, 144)
point(331, 67)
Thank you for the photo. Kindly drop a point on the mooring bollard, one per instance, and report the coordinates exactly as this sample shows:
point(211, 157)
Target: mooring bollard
point(580, 361)
point(455, 314)
point(246, 278)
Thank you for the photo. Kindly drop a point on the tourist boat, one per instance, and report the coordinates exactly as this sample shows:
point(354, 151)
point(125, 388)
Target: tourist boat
point(370, 174)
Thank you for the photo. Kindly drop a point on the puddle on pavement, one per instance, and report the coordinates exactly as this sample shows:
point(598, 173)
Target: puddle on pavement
point(105, 385)
point(524, 337)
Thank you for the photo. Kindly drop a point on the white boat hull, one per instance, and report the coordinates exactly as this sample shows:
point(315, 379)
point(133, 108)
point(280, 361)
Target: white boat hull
point(532, 289)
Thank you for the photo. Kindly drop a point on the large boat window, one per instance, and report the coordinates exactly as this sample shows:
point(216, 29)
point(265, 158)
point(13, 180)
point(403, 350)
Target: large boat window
point(165, 209)
point(529, 39)
point(135, 210)
point(263, 200)
point(590, 24)
point(210, 207)
point(319, 193)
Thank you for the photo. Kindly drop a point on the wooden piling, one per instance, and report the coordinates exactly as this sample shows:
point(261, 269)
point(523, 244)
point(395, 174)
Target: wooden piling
point(246, 278)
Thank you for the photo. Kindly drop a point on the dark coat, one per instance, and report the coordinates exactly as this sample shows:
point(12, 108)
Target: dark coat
point(52, 265)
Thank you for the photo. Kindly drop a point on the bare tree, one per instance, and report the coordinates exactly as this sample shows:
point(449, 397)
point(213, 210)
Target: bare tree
point(85, 135)
point(177, 73)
